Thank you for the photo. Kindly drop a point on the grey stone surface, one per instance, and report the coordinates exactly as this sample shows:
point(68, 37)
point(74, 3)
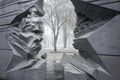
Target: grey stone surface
point(87, 51)
point(91, 69)
point(27, 29)
point(93, 12)
point(14, 62)
point(103, 1)
point(113, 66)
point(12, 12)
point(59, 71)
point(73, 76)
point(50, 69)
point(5, 59)
point(72, 73)
point(3, 40)
point(105, 40)
point(95, 15)
point(12, 8)
point(23, 65)
point(29, 74)
point(110, 4)
point(114, 6)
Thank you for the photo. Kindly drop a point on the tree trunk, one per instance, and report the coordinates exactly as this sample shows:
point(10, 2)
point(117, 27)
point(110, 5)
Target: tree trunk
point(55, 46)
point(64, 37)
point(65, 42)
point(55, 43)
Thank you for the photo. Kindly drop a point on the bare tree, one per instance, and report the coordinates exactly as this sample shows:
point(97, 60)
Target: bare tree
point(69, 25)
point(57, 16)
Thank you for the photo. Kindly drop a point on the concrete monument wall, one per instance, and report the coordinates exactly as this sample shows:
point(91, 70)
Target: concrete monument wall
point(97, 33)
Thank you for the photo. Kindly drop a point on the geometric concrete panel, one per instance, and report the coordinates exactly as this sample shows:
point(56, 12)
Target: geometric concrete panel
point(110, 4)
point(28, 74)
point(114, 6)
point(76, 65)
point(71, 72)
point(5, 59)
point(113, 65)
point(87, 51)
point(93, 12)
point(106, 39)
point(103, 1)
point(3, 40)
point(59, 71)
point(102, 43)
point(14, 62)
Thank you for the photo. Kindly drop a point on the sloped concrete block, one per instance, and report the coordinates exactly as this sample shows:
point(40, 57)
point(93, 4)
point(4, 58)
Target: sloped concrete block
point(87, 51)
point(86, 69)
point(59, 71)
point(71, 73)
point(72, 76)
point(102, 41)
point(113, 66)
point(106, 39)
point(3, 40)
point(5, 59)
point(93, 12)
point(28, 74)
point(14, 62)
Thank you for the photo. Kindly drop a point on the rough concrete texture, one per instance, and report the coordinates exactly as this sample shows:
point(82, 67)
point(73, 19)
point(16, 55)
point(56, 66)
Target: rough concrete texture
point(59, 71)
point(93, 12)
point(100, 44)
point(112, 65)
point(13, 8)
point(3, 40)
point(103, 41)
point(110, 4)
point(9, 11)
point(14, 62)
point(72, 73)
point(85, 68)
point(99, 48)
point(38, 73)
point(5, 59)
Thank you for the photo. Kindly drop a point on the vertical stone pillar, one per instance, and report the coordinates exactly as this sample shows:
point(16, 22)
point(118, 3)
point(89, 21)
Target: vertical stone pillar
point(59, 71)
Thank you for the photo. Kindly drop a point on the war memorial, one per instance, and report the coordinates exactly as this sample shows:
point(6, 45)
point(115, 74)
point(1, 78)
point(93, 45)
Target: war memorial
point(97, 39)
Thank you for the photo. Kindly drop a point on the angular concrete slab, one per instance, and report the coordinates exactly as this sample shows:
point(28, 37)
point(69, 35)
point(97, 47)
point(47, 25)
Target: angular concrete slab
point(113, 66)
point(75, 76)
point(110, 4)
point(102, 41)
point(106, 39)
point(5, 59)
point(29, 74)
point(14, 62)
point(3, 40)
point(93, 12)
point(81, 64)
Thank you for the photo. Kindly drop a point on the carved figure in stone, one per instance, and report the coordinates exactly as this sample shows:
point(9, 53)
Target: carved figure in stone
point(26, 37)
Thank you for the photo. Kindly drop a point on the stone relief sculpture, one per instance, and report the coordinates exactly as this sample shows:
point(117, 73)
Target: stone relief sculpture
point(26, 37)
